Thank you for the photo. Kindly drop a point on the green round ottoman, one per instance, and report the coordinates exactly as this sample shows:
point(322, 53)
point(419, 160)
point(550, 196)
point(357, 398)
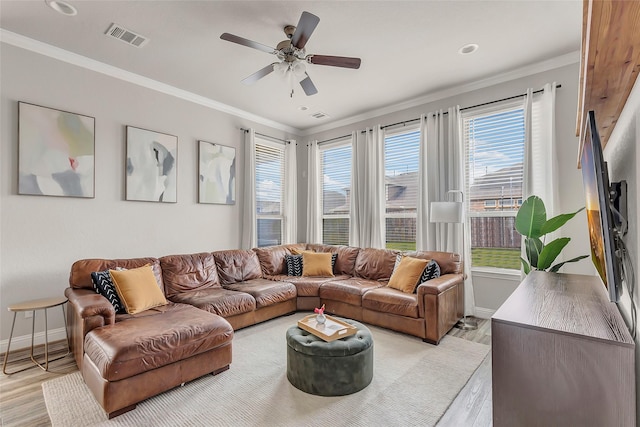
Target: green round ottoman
point(334, 368)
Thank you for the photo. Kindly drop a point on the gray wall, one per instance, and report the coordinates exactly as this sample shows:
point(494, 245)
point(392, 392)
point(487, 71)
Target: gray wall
point(491, 289)
point(40, 237)
point(622, 155)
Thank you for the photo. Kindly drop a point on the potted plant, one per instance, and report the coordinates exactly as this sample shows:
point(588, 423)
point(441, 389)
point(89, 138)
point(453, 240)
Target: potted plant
point(532, 223)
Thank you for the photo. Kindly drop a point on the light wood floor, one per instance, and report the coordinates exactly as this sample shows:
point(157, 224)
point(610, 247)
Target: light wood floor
point(22, 403)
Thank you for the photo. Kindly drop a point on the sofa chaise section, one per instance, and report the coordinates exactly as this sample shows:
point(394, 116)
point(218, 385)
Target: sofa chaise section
point(126, 358)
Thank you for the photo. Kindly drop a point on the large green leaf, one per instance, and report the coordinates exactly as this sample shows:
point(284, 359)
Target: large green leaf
point(551, 251)
point(533, 246)
point(556, 267)
point(531, 216)
point(525, 266)
point(557, 221)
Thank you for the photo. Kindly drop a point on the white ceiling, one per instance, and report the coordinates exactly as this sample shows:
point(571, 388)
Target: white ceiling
point(408, 48)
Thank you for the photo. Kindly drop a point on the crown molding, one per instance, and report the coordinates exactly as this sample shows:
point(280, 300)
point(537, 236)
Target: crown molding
point(550, 64)
point(54, 52)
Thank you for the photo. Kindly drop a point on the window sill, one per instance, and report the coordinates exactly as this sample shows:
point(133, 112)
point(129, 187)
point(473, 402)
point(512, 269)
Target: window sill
point(499, 273)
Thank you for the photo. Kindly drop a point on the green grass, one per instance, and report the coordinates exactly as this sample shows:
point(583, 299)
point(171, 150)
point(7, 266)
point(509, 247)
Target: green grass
point(496, 257)
point(402, 246)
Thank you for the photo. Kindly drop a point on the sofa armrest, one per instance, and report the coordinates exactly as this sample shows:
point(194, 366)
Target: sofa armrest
point(86, 311)
point(440, 302)
point(439, 284)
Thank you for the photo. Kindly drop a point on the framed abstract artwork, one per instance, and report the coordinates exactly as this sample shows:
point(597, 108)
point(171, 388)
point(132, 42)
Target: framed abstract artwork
point(216, 173)
point(56, 152)
point(151, 166)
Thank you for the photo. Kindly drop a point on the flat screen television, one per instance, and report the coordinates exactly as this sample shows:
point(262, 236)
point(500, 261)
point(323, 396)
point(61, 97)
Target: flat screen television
point(599, 214)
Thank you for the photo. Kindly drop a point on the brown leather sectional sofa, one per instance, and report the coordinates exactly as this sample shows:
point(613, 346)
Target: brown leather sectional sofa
point(125, 358)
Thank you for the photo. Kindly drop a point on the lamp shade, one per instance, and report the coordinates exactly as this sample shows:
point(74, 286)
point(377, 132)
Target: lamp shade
point(449, 212)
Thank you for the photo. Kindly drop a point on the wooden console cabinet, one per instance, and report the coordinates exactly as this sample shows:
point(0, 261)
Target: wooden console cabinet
point(561, 356)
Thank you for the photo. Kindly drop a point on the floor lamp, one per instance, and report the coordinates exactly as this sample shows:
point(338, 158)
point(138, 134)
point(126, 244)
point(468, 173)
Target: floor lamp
point(452, 212)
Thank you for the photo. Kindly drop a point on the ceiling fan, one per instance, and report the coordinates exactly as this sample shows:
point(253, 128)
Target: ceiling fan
point(292, 54)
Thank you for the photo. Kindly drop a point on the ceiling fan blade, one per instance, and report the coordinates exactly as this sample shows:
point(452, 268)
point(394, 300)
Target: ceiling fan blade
point(334, 61)
point(258, 75)
point(308, 22)
point(308, 86)
point(246, 42)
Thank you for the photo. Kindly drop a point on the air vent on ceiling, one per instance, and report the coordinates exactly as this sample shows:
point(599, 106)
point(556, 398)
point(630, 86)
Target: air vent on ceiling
point(319, 115)
point(127, 36)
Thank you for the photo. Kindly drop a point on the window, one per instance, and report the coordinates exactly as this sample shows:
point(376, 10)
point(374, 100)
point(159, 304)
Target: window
point(401, 158)
point(335, 190)
point(494, 152)
point(269, 192)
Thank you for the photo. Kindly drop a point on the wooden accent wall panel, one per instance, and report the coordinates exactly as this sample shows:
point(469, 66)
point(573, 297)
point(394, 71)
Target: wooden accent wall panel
point(610, 60)
point(562, 355)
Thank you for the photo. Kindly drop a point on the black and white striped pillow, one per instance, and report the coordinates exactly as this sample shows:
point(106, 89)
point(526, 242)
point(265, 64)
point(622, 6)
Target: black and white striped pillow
point(431, 271)
point(294, 265)
point(103, 285)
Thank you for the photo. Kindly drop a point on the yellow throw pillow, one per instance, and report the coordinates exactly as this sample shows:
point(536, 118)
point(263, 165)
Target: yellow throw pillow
point(316, 264)
point(138, 289)
point(405, 276)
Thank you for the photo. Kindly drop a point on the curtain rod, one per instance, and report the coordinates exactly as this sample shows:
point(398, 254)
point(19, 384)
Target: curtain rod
point(465, 108)
point(333, 139)
point(267, 136)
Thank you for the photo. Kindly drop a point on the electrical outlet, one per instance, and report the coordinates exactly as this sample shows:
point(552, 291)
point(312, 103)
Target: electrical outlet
point(28, 314)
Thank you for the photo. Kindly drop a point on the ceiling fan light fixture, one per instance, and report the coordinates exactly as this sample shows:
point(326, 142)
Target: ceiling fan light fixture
point(299, 69)
point(62, 7)
point(468, 49)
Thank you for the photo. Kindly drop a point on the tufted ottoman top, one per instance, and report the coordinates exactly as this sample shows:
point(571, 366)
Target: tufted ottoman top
point(306, 343)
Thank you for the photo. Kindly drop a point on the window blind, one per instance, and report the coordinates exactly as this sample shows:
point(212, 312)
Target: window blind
point(269, 192)
point(494, 151)
point(335, 190)
point(401, 160)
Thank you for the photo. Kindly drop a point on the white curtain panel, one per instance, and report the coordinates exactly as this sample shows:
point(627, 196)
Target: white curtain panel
point(540, 152)
point(460, 236)
point(441, 171)
point(248, 239)
point(367, 226)
point(290, 232)
point(314, 180)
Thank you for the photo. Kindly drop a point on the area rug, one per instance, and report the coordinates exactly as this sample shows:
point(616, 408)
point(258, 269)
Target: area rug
point(413, 385)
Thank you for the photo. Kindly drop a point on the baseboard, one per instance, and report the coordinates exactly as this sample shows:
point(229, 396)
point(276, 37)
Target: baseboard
point(24, 341)
point(484, 313)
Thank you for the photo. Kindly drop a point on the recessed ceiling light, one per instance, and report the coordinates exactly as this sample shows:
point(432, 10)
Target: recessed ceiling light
point(468, 49)
point(62, 7)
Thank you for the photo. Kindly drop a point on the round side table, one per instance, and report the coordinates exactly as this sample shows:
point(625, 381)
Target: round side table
point(33, 306)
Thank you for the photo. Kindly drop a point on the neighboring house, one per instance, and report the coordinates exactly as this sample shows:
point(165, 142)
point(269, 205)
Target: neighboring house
point(495, 191)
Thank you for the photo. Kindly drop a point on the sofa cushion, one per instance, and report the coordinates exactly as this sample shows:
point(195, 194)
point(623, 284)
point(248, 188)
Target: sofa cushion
point(307, 286)
point(237, 265)
point(266, 292)
point(349, 291)
point(272, 258)
point(392, 301)
point(185, 273)
point(447, 261)
point(138, 289)
point(103, 285)
point(375, 264)
point(317, 264)
point(174, 332)
point(345, 259)
point(220, 301)
point(405, 277)
point(80, 275)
